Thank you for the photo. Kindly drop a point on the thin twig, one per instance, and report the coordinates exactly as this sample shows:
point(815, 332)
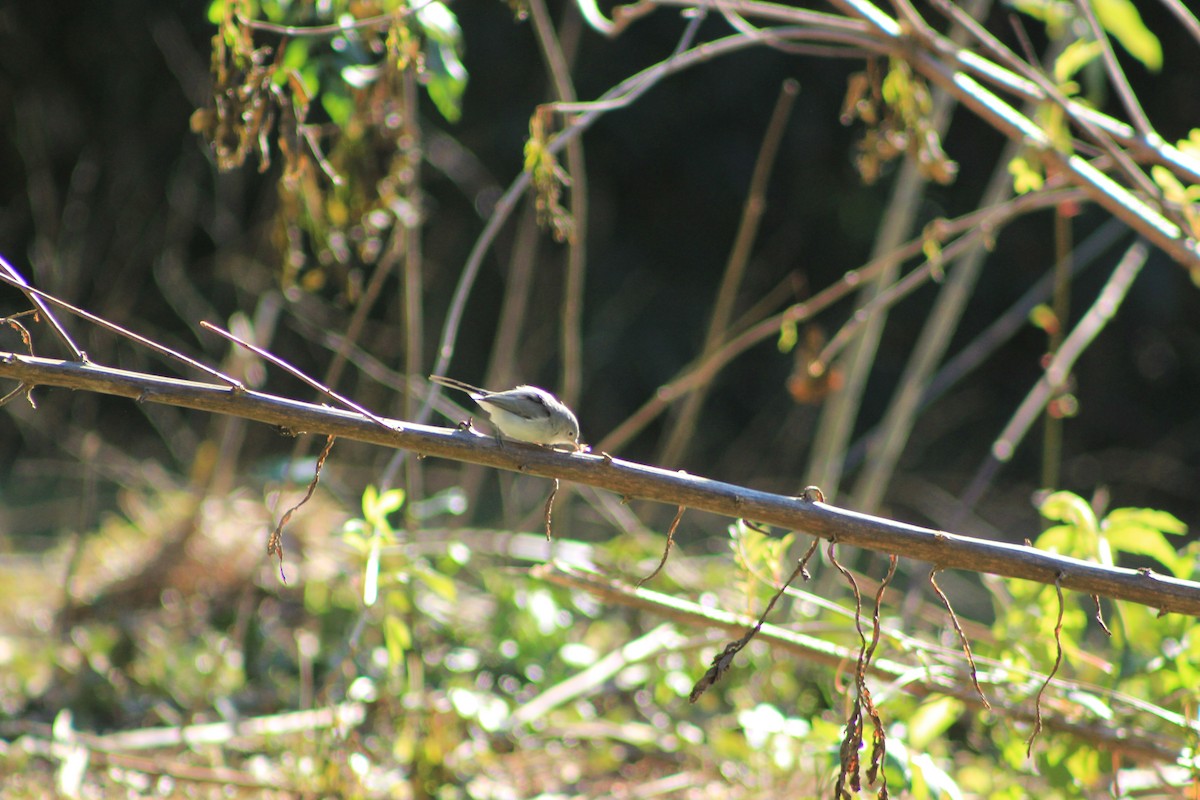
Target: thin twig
point(836, 423)
point(347, 342)
point(27, 340)
point(298, 373)
point(1037, 703)
point(15, 278)
point(1100, 616)
point(724, 660)
point(962, 636)
point(599, 673)
point(1116, 75)
point(888, 441)
point(549, 510)
point(620, 95)
point(344, 716)
point(667, 548)
point(275, 540)
point(572, 303)
point(887, 297)
point(507, 202)
point(1099, 136)
point(309, 132)
point(117, 329)
point(683, 426)
point(1052, 424)
point(1185, 17)
point(1094, 321)
point(852, 741)
point(804, 559)
point(414, 265)
point(1000, 330)
point(983, 223)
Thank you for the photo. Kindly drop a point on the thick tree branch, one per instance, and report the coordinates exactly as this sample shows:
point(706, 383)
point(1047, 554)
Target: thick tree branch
point(945, 550)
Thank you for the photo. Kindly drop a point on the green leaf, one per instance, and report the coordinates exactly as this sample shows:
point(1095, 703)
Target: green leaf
point(788, 336)
point(216, 12)
point(1043, 318)
point(295, 56)
point(1172, 189)
point(896, 86)
point(370, 497)
point(376, 507)
point(441, 585)
point(354, 534)
point(1074, 57)
point(446, 77)
point(438, 22)
point(397, 637)
point(1093, 703)
point(1026, 177)
point(931, 720)
point(932, 250)
point(938, 782)
point(391, 500)
point(1069, 508)
point(1143, 532)
point(1163, 521)
point(360, 76)
point(1053, 13)
point(371, 574)
point(338, 106)
point(1083, 766)
point(1142, 541)
point(447, 80)
point(1190, 145)
point(1121, 19)
point(276, 10)
point(1057, 539)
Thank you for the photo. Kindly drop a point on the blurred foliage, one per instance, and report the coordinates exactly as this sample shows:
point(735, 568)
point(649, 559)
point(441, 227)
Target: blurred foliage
point(440, 635)
point(895, 106)
point(1064, 23)
point(350, 162)
point(1119, 18)
point(449, 649)
point(1187, 198)
point(548, 176)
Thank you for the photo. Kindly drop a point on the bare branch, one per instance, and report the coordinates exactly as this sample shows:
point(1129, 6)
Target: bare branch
point(627, 478)
point(1185, 17)
point(1055, 376)
point(15, 278)
point(38, 295)
point(1115, 73)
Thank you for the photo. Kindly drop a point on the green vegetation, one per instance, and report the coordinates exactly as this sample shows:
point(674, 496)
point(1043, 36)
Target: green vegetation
point(194, 605)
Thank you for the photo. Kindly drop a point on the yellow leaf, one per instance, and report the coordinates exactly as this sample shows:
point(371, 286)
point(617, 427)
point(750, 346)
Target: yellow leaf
point(1075, 57)
point(1121, 19)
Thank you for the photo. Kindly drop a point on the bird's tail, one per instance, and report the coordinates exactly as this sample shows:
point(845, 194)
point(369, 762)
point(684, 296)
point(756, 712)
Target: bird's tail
point(473, 391)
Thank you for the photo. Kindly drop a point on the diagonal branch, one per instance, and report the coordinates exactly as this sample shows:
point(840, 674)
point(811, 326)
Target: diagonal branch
point(1059, 368)
point(632, 480)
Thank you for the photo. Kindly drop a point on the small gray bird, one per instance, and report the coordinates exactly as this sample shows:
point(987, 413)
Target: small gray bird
point(526, 413)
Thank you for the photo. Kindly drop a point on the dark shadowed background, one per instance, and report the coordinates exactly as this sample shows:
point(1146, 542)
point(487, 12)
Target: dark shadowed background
point(110, 201)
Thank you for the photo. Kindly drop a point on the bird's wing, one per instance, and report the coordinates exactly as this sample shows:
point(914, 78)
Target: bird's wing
point(524, 401)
